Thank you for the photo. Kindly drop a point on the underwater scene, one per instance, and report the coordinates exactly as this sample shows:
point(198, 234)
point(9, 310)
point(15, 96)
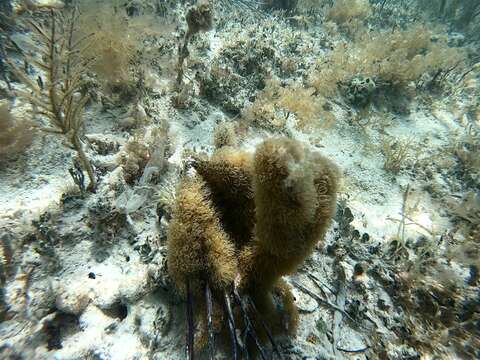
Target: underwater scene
point(239, 179)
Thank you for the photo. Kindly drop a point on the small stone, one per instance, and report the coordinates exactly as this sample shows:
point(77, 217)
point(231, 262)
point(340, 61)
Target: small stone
point(348, 215)
point(355, 234)
point(160, 211)
point(43, 4)
point(383, 302)
point(163, 320)
point(358, 269)
point(112, 327)
point(473, 275)
point(313, 339)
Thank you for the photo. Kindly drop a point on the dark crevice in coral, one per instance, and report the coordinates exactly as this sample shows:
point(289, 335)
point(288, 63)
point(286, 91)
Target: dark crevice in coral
point(117, 310)
point(59, 328)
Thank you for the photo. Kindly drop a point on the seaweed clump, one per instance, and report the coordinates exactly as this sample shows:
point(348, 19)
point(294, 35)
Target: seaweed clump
point(119, 31)
point(15, 134)
point(391, 61)
point(245, 221)
point(276, 104)
point(199, 18)
point(113, 47)
point(57, 96)
point(346, 11)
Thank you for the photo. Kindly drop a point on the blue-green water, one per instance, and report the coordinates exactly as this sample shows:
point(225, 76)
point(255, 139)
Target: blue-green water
point(239, 179)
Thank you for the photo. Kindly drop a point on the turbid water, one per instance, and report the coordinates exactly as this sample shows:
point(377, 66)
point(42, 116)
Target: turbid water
point(182, 179)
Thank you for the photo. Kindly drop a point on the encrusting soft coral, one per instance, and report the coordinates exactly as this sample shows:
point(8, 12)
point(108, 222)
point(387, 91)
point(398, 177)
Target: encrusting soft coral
point(244, 221)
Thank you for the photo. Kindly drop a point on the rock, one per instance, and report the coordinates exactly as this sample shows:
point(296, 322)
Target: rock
point(359, 91)
point(163, 320)
point(383, 301)
point(26, 5)
point(72, 301)
point(456, 39)
point(46, 4)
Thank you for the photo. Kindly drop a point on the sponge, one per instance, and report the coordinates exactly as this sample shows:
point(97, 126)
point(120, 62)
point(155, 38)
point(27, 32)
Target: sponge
point(295, 197)
point(198, 248)
point(253, 218)
point(228, 174)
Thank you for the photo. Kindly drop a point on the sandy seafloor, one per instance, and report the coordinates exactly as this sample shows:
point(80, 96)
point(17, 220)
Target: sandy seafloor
point(90, 280)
